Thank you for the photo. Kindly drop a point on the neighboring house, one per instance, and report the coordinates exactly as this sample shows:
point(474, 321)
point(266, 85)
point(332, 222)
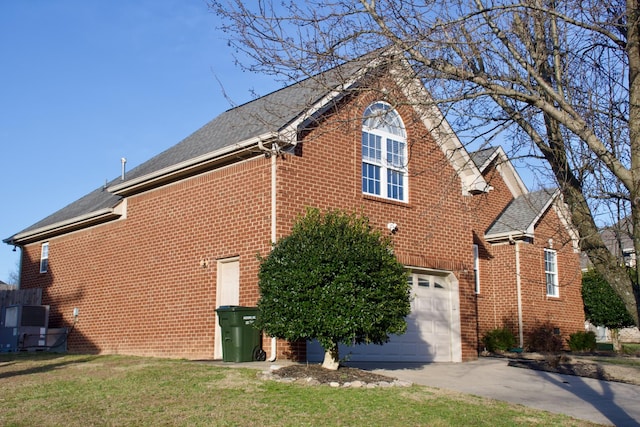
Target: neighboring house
point(618, 239)
point(6, 286)
point(145, 261)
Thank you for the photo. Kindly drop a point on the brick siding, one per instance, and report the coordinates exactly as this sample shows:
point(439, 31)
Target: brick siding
point(146, 284)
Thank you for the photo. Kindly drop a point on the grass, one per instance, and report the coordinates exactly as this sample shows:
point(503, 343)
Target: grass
point(75, 390)
point(631, 348)
point(632, 362)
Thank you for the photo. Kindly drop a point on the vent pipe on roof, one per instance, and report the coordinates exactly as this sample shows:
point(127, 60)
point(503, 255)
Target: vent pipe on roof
point(124, 162)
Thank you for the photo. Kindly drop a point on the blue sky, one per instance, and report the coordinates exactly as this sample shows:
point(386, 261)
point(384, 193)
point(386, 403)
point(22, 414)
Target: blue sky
point(84, 83)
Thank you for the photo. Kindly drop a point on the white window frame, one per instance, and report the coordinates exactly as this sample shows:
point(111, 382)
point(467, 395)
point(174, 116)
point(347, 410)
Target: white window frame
point(551, 272)
point(476, 268)
point(44, 257)
point(384, 153)
point(629, 257)
point(429, 281)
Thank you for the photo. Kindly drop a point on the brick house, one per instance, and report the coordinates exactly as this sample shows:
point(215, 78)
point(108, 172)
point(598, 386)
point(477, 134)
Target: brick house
point(145, 260)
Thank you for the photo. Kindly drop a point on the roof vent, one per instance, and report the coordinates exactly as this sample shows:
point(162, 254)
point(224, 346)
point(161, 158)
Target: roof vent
point(124, 162)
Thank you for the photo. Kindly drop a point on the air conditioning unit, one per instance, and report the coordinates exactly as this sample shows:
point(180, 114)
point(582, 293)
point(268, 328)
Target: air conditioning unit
point(24, 327)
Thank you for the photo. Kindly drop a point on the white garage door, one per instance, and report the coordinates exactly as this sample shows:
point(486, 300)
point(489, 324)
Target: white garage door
point(433, 327)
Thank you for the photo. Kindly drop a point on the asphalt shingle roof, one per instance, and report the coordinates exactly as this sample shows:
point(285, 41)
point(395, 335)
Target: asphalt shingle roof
point(521, 213)
point(480, 157)
point(270, 113)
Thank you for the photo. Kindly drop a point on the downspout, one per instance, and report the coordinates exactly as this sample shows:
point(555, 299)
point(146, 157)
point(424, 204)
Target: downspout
point(272, 153)
point(519, 294)
point(273, 356)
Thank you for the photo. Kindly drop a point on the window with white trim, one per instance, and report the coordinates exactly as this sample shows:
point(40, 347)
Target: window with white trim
point(426, 281)
point(44, 257)
point(476, 268)
point(551, 272)
point(384, 153)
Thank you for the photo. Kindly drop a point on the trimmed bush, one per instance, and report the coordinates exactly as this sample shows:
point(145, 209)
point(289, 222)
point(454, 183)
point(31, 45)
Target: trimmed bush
point(582, 341)
point(335, 279)
point(545, 339)
point(500, 339)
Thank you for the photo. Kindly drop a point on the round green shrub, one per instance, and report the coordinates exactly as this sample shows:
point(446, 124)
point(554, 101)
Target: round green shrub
point(582, 341)
point(500, 339)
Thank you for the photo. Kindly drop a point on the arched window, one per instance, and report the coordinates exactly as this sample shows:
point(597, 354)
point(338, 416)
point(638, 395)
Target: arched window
point(384, 153)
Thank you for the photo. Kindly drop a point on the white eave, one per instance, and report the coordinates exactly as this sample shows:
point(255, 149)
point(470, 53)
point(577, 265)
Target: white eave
point(514, 235)
point(189, 167)
point(508, 172)
point(72, 224)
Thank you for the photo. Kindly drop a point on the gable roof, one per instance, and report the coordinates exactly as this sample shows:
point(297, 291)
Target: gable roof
point(520, 216)
point(485, 157)
point(273, 120)
point(226, 135)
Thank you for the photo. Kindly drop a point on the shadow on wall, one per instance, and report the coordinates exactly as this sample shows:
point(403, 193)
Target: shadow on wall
point(65, 303)
point(409, 347)
point(538, 336)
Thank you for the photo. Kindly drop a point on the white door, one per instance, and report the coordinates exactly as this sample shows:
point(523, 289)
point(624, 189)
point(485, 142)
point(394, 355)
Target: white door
point(433, 327)
point(227, 293)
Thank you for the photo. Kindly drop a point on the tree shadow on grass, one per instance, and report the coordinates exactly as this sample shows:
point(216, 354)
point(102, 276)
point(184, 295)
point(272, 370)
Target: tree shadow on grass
point(13, 360)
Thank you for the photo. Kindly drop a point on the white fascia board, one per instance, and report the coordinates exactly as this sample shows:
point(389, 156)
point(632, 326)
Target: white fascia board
point(71, 224)
point(180, 168)
point(443, 134)
point(562, 210)
point(542, 211)
point(504, 237)
point(508, 172)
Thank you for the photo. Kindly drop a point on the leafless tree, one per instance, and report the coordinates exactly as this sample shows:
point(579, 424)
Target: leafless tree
point(558, 80)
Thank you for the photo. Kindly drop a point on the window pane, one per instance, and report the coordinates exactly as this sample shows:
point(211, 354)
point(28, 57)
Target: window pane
point(395, 153)
point(44, 257)
point(423, 281)
point(395, 185)
point(370, 179)
point(381, 116)
point(551, 272)
point(371, 147)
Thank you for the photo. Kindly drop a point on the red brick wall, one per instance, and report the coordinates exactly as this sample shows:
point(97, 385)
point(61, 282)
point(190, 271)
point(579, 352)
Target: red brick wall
point(138, 282)
point(433, 228)
point(141, 288)
point(498, 298)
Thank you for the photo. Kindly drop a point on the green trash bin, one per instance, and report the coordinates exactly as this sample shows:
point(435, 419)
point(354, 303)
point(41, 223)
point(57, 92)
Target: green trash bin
point(240, 338)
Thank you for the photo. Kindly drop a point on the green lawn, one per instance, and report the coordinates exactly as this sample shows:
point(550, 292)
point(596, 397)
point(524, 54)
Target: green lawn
point(629, 348)
point(75, 390)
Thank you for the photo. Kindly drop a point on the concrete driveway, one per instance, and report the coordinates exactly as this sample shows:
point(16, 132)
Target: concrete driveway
point(585, 398)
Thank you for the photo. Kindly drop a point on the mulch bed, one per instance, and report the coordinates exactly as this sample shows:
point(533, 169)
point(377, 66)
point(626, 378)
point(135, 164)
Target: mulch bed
point(326, 376)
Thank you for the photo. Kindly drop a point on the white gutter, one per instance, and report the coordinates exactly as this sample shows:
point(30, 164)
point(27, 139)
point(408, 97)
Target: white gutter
point(187, 165)
point(519, 294)
point(63, 226)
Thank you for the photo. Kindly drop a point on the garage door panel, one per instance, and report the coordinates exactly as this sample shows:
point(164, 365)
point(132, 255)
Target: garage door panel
point(431, 330)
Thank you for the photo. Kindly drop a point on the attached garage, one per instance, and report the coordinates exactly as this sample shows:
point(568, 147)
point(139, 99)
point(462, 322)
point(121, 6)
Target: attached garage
point(433, 327)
